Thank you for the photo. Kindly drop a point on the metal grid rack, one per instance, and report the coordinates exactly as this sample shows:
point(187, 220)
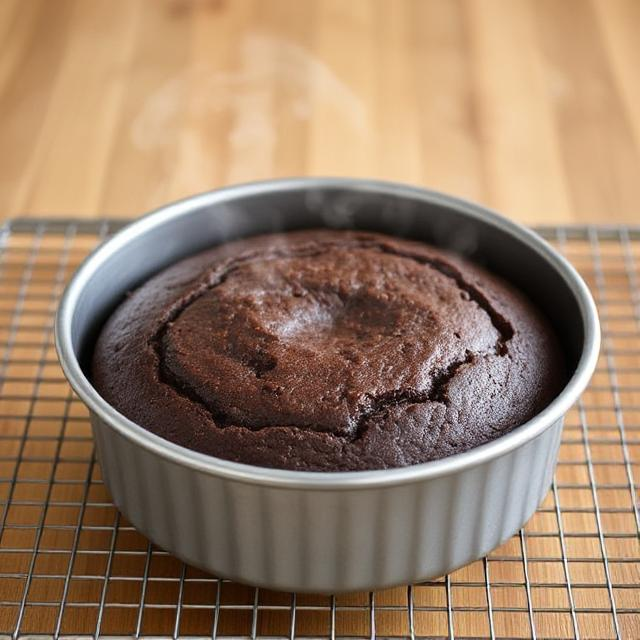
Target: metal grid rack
point(70, 565)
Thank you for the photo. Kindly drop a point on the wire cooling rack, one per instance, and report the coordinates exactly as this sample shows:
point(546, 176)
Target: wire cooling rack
point(70, 565)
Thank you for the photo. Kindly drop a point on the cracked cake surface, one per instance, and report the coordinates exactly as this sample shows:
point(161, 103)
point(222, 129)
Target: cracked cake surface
point(328, 351)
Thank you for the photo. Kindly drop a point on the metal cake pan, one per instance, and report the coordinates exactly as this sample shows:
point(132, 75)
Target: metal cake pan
point(314, 531)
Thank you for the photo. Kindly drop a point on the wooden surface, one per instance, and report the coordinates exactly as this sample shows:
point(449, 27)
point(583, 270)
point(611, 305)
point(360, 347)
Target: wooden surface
point(112, 107)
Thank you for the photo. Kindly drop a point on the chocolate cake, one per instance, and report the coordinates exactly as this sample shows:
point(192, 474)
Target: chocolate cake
point(327, 351)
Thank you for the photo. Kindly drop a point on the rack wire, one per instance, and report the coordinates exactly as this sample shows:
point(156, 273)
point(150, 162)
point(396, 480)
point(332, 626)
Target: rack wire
point(71, 565)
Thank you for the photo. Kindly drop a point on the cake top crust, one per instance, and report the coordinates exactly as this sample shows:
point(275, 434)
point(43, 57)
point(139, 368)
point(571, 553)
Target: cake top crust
point(327, 350)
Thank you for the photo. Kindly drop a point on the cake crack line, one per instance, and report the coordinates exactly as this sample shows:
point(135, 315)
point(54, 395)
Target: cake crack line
point(377, 405)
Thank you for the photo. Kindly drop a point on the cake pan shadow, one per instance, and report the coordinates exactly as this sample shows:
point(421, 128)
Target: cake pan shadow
point(325, 531)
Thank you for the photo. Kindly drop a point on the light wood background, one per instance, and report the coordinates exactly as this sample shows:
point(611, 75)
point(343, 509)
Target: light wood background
point(113, 107)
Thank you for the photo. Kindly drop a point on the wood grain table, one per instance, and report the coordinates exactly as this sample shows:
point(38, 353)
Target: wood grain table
point(113, 107)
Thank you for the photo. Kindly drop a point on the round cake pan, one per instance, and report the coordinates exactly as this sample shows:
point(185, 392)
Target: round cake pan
point(314, 531)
